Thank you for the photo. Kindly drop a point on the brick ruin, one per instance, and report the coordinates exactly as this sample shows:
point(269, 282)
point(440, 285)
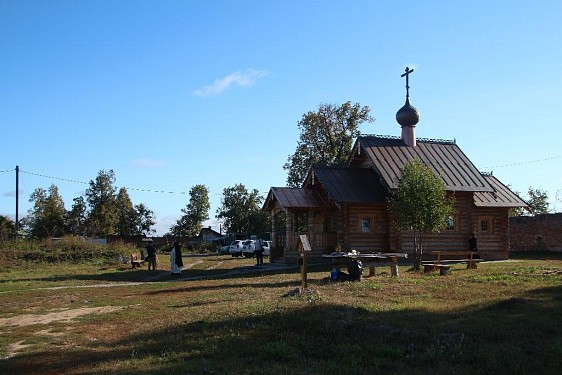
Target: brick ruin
point(536, 233)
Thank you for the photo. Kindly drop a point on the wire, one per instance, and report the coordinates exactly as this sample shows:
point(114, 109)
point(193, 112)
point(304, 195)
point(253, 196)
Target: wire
point(86, 183)
point(53, 178)
point(524, 162)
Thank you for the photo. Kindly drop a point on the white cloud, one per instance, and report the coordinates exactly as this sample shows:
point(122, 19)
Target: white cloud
point(244, 79)
point(147, 163)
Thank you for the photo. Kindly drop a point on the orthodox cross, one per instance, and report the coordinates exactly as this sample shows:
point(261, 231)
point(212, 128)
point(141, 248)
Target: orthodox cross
point(408, 71)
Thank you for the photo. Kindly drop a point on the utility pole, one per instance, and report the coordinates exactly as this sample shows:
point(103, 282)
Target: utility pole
point(17, 199)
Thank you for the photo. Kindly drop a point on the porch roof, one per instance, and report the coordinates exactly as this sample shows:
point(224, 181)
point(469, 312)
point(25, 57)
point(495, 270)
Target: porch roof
point(294, 198)
point(502, 196)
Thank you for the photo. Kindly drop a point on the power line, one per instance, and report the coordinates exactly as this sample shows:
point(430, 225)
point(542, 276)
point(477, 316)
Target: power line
point(52, 177)
point(525, 162)
point(86, 183)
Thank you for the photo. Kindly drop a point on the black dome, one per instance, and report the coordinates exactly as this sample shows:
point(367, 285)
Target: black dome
point(407, 115)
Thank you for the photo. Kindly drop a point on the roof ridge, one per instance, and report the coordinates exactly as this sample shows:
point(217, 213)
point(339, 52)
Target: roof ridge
point(336, 167)
point(426, 140)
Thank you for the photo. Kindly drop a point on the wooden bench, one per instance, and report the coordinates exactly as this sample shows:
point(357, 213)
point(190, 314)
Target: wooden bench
point(444, 260)
point(136, 260)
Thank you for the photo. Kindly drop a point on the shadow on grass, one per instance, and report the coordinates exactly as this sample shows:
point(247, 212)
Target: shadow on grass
point(536, 255)
point(126, 274)
point(518, 335)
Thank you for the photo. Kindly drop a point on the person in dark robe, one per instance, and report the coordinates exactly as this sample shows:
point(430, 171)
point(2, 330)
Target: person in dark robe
point(176, 262)
point(151, 257)
point(472, 243)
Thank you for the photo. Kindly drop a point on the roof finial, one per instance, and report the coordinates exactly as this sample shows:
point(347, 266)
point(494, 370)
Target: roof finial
point(408, 116)
point(408, 71)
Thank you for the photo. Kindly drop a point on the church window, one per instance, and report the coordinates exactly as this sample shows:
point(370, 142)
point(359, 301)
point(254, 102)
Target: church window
point(451, 225)
point(365, 225)
point(486, 224)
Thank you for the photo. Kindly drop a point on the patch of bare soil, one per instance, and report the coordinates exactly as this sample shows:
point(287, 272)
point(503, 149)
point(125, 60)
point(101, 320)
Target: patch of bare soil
point(65, 316)
point(14, 348)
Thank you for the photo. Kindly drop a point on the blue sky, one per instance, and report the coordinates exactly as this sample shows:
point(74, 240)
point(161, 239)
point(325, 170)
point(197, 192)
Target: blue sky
point(170, 94)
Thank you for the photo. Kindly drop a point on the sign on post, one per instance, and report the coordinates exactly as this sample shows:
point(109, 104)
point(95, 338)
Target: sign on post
point(304, 247)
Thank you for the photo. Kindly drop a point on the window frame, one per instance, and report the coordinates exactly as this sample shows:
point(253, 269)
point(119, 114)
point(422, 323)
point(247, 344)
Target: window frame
point(456, 223)
point(363, 228)
point(488, 221)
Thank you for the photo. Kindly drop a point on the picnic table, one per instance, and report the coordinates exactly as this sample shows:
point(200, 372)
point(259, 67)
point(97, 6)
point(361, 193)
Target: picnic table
point(369, 260)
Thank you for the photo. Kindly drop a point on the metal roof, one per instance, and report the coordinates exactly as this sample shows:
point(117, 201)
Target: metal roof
point(389, 155)
point(349, 185)
point(294, 198)
point(502, 196)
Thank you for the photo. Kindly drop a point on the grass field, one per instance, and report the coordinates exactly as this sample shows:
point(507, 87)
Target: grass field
point(222, 316)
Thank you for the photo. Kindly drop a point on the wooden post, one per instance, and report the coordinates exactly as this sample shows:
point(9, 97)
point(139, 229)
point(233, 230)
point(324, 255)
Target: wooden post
point(304, 284)
point(304, 247)
point(394, 266)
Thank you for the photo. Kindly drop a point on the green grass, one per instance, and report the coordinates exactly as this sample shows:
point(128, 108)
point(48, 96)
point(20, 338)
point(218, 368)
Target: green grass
point(503, 317)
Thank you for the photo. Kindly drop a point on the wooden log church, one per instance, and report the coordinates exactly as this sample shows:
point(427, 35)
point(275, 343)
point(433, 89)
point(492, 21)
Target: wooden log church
point(347, 207)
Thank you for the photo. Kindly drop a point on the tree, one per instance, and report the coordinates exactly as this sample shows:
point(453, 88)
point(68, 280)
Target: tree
point(103, 214)
point(126, 214)
point(46, 218)
point(420, 204)
point(240, 211)
point(143, 220)
point(7, 228)
point(77, 217)
point(537, 201)
point(515, 211)
point(326, 138)
point(194, 214)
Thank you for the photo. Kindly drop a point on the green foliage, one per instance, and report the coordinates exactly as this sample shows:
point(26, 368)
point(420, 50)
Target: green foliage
point(203, 248)
point(194, 214)
point(537, 201)
point(68, 249)
point(143, 220)
point(101, 212)
point(420, 204)
point(7, 228)
point(46, 217)
point(241, 211)
point(326, 138)
point(77, 217)
point(101, 198)
point(126, 213)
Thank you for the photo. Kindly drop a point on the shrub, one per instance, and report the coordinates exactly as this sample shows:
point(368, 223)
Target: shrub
point(67, 249)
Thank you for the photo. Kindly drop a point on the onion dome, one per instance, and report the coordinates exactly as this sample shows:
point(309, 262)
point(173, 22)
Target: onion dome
point(407, 115)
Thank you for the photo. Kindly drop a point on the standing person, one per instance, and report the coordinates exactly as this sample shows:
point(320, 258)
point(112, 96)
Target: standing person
point(472, 243)
point(151, 257)
point(176, 262)
point(258, 252)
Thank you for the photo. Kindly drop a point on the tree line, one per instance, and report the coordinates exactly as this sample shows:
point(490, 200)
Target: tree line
point(106, 210)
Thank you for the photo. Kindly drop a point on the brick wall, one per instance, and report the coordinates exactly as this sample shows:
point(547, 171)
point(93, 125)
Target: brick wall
point(536, 233)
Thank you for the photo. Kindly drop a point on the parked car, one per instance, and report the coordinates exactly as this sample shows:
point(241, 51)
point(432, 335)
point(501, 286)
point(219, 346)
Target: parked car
point(235, 248)
point(248, 248)
point(225, 249)
point(266, 248)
